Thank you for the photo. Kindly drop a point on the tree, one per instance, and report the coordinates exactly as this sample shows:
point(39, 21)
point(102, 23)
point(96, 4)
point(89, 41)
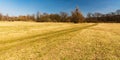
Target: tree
point(97, 14)
point(33, 17)
point(89, 15)
point(45, 18)
point(38, 17)
point(63, 16)
point(0, 16)
point(7, 17)
point(118, 12)
point(77, 16)
point(55, 17)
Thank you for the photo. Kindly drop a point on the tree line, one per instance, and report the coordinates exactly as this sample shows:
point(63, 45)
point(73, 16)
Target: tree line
point(112, 17)
point(75, 17)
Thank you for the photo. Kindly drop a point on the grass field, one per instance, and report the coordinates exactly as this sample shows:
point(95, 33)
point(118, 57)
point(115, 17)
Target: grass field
point(59, 41)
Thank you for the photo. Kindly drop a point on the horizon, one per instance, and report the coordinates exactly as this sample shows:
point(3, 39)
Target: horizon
point(24, 7)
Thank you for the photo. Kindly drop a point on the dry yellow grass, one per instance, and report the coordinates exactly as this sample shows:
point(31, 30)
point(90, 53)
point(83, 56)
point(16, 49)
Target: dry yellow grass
point(59, 41)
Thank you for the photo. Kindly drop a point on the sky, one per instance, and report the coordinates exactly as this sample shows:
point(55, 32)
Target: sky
point(24, 7)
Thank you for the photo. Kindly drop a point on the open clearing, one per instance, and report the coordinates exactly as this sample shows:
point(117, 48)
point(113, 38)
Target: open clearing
point(59, 41)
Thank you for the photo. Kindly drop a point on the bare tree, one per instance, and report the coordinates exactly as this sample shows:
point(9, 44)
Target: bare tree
point(63, 16)
point(38, 16)
point(0, 16)
point(118, 12)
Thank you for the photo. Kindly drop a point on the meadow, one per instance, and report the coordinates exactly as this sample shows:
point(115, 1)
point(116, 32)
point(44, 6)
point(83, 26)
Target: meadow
point(59, 41)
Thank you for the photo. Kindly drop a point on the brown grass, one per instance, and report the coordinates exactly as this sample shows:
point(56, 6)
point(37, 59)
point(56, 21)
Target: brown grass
point(59, 41)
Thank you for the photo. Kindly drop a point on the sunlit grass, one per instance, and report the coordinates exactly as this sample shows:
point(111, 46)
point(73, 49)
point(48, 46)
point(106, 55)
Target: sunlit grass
point(59, 41)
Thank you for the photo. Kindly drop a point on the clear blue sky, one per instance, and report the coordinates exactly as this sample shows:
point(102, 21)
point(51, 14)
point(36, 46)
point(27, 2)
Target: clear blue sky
point(23, 7)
